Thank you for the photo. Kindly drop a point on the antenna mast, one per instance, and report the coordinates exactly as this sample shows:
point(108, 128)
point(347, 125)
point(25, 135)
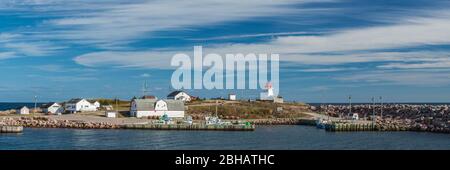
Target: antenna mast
point(381, 102)
point(144, 88)
point(373, 109)
point(350, 104)
point(35, 104)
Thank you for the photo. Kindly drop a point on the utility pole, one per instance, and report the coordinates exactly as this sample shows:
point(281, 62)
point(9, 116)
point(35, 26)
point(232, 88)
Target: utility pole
point(144, 88)
point(373, 109)
point(350, 103)
point(117, 106)
point(381, 102)
point(35, 104)
point(216, 107)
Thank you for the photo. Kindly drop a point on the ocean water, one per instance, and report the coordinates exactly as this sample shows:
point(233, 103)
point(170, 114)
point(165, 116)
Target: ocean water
point(7, 106)
point(285, 137)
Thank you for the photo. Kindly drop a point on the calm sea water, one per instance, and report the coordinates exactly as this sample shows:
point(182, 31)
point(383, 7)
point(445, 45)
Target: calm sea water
point(265, 137)
point(7, 106)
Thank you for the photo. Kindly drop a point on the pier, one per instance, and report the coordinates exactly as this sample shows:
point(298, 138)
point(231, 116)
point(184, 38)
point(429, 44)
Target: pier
point(11, 129)
point(190, 127)
point(342, 127)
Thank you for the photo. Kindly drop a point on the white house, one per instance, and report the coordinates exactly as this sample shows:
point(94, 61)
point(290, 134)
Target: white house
point(278, 99)
point(95, 103)
point(179, 95)
point(23, 110)
point(79, 105)
point(231, 96)
point(153, 107)
point(52, 108)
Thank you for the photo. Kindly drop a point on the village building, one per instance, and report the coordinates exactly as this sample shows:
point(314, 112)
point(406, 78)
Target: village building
point(107, 107)
point(152, 107)
point(95, 103)
point(179, 95)
point(232, 97)
point(268, 95)
point(110, 114)
point(149, 97)
point(278, 99)
point(23, 110)
point(52, 108)
point(79, 105)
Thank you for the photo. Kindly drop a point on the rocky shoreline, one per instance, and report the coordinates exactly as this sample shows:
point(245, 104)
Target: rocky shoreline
point(45, 122)
point(409, 125)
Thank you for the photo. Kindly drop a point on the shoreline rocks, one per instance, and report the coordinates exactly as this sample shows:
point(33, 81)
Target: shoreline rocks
point(45, 122)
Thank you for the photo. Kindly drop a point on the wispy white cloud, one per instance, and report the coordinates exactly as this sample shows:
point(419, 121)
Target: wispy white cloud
point(346, 46)
point(17, 45)
point(7, 55)
point(145, 75)
point(312, 70)
point(361, 45)
point(142, 59)
point(393, 77)
point(250, 36)
point(120, 24)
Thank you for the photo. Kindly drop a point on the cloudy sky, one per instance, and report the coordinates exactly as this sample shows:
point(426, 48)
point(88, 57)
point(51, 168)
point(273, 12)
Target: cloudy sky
point(329, 49)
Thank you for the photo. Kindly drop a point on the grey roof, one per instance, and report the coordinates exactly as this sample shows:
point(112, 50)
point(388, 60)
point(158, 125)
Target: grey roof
point(92, 101)
point(149, 104)
point(73, 101)
point(175, 105)
point(145, 104)
point(47, 105)
point(174, 93)
point(18, 108)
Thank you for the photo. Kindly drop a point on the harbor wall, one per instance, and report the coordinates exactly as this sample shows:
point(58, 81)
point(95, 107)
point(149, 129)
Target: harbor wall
point(11, 129)
point(191, 127)
point(44, 122)
point(284, 121)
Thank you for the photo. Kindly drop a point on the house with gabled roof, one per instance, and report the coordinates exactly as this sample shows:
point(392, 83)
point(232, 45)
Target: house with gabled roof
point(179, 95)
point(152, 107)
point(52, 108)
point(22, 110)
point(79, 105)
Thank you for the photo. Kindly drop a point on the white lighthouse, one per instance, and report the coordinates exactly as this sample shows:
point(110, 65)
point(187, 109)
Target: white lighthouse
point(268, 94)
point(269, 89)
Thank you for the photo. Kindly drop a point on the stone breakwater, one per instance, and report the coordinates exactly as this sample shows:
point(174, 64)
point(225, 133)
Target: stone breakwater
point(387, 125)
point(283, 121)
point(45, 122)
point(410, 125)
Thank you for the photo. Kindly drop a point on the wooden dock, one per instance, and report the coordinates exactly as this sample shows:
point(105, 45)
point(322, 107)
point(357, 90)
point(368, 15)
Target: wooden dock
point(11, 129)
point(190, 127)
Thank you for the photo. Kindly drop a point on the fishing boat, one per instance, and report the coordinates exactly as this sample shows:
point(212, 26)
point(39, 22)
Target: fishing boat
point(189, 120)
point(320, 123)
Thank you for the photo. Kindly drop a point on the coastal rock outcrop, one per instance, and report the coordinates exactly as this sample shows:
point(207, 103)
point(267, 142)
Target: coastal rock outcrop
point(45, 122)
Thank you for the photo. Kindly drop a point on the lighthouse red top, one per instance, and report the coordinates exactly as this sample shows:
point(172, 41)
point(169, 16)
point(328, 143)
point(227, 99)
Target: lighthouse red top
point(268, 85)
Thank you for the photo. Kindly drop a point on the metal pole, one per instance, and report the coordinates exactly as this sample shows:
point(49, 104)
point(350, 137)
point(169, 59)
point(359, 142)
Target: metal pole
point(373, 109)
point(117, 106)
point(350, 102)
point(381, 102)
point(216, 107)
point(35, 104)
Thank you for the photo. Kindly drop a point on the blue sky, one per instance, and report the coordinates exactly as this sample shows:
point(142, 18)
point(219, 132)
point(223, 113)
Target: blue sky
point(58, 49)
